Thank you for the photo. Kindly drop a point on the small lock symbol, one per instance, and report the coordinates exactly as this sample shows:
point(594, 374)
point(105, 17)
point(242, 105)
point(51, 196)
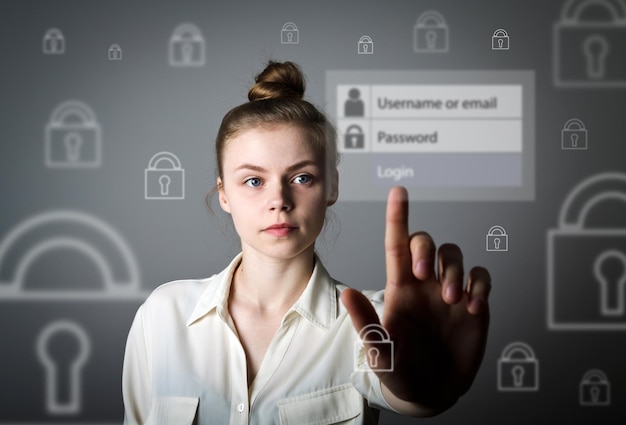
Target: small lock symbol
point(365, 45)
point(431, 33)
point(381, 344)
point(73, 137)
point(187, 46)
point(595, 389)
point(289, 34)
point(115, 52)
point(518, 368)
point(574, 135)
point(497, 239)
point(164, 182)
point(53, 42)
point(500, 40)
point(354, 137)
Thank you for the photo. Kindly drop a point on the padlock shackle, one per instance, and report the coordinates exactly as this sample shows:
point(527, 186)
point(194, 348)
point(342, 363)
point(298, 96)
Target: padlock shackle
point(431, 15)
point(500, 33)
point(354, 127)
point(53, 32)
point(115, 47)
point(290, 26)
point(517, 347)
point(72, 107)
point(574, 121)
point(164, 156)
point(584, 196)
point(573, 9)
point(595, 373)
point(365, 39)
point(373, 328)
point(500, 229)
point(187, 29)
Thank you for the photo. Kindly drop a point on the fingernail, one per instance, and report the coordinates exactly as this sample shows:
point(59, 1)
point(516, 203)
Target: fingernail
point(422, 269)
point(451, 293)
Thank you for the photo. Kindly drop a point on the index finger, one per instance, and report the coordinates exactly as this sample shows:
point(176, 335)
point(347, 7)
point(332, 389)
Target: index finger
point(397, 251)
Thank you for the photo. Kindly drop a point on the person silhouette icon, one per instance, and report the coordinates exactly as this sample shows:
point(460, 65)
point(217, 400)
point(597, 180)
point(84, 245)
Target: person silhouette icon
point(354, 106)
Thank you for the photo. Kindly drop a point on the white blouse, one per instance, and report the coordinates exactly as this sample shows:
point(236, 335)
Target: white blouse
point(184, 363)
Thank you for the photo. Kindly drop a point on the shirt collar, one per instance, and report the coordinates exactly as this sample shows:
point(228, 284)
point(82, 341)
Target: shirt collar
point(317, 303)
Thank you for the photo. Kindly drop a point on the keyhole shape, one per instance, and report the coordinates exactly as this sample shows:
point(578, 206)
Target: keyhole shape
point(165, 182)
point(574, 138)
point(431, 39)
point(518, 375)
point(595, 49)
point(500, 42)
point(60, 373)
point(289, 37)
point(187, 51)
point(610, 273)
point(595, 394)
point(373, 354)
point(496, 242)
point(366, 47)
point(73, 143)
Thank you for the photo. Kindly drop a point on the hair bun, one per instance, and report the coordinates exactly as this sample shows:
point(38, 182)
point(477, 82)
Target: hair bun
point(278, 80)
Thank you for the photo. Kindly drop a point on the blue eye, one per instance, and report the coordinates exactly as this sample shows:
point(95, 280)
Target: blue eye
point(303, 179)
point(253, 182)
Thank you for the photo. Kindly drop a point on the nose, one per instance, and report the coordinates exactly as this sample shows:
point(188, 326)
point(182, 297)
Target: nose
point(280, 197)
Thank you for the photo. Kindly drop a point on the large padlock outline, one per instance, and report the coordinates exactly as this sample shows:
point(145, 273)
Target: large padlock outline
point(567, 127)
point(373, 328)
point(56, 34)
point(115, 52)
point(88, 122)
point(440, 23)
point(570, 18)
point(503, 233)
point(500, 33)
point(289, 27)
point(20, 242)
point(348, 134)
point(187, 32)
point(529, 356)
point(153, 166)
point(576, 227)
point(365, 40)
point(602, 380)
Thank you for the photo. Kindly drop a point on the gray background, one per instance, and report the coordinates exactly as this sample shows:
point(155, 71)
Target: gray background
point(145, 106)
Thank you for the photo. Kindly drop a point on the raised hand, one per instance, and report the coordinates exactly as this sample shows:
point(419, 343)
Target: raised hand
point(438, 325)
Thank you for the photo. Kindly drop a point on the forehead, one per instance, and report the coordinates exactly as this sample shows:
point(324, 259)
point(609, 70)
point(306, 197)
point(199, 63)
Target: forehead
point(277, 145)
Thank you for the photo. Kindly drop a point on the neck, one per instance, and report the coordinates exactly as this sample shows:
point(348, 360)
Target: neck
point(271, 285)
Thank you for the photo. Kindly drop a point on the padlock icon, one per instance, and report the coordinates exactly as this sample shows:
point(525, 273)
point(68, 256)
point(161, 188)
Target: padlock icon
point(77, 281)
point(53, 42)
point(497, 239)
point(164, 182)
point(115, 52)
point(289, 34)
point(588, 53)
point(518, 368)
point(595, 389)
point(500, 40)
point(587, 294)
point(354, 137)
point(574, 135)
point(431, 33)
point(187, 46)
point(73, 137)
point(379, 343)
point(365, 46)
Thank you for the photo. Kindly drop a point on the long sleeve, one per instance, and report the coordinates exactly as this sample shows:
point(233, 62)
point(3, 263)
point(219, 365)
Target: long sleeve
point(136, 380)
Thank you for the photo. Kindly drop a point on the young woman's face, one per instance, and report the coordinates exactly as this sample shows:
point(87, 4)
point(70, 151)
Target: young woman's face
point(275, 190)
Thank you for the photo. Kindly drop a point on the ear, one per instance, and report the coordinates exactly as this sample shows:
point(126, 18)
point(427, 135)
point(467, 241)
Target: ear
point(334, 189)
point(222, 196)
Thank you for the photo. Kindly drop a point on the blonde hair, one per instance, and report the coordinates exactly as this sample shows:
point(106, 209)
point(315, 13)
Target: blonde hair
point(277, 98)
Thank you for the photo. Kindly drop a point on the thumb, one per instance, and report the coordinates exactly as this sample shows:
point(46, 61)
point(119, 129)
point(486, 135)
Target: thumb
point(361, 310)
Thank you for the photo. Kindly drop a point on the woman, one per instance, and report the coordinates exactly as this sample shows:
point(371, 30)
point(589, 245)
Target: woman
point(273, 338)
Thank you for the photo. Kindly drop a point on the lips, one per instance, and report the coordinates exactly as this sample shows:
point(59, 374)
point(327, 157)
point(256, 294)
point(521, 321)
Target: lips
point(280, 226)
point(280, 229)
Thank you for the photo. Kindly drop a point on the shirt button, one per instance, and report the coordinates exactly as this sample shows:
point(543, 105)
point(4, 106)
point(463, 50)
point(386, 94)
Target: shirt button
point(240, 407)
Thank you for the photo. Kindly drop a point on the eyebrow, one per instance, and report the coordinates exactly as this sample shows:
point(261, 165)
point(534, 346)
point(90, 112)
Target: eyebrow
point(291, 168)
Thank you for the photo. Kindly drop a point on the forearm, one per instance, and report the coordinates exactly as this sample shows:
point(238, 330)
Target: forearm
point(411, 408)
